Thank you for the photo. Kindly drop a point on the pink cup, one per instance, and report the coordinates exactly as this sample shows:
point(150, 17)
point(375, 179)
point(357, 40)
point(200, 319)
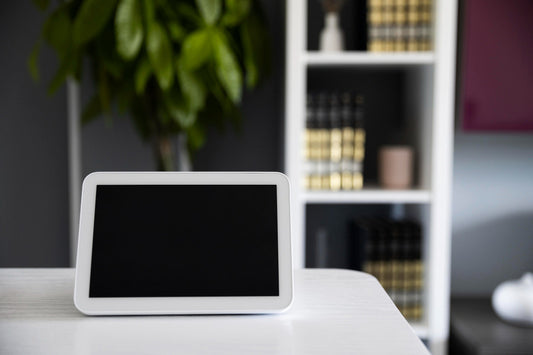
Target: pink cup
point(396, 167)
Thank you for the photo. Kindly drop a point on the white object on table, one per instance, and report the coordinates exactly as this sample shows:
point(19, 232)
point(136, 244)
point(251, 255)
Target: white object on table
point(513, 300)
point(334, 312)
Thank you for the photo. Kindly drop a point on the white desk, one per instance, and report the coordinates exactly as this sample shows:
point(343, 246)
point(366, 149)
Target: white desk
point(334, 312)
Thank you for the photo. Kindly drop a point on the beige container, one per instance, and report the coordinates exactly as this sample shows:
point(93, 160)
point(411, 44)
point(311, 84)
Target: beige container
point(396, 167)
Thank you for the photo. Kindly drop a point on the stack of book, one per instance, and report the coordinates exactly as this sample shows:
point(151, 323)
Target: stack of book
point(399, 25)
point(391, 251)
point(334, 142)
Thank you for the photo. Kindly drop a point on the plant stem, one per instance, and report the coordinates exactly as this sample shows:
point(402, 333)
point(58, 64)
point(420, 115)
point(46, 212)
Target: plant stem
point(164, 154)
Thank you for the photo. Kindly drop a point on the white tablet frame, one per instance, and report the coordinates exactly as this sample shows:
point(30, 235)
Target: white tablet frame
point(182, 305)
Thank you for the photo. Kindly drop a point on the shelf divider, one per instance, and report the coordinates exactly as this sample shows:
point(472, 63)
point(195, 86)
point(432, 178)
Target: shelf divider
point(317, 59)
point(367, 195)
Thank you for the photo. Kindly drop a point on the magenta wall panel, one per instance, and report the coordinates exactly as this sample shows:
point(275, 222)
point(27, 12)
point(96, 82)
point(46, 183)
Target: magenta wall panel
point(497, 67)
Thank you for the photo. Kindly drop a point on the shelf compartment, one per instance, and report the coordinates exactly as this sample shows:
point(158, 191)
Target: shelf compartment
point(317, 59)
point(367, 195)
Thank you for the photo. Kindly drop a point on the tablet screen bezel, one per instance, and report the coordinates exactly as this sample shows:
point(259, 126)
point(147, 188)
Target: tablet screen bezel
point(182, 305)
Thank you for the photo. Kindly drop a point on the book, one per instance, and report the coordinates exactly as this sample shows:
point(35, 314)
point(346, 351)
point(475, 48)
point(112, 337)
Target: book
point(376, 32)
point(400, 26)
point(323, 141)
point(388, 8)
point(426, 24)
point(348, 134)
point(335, 142)
point(359, 143)
point(308, 142)
point(413, 25)
point(391, 251)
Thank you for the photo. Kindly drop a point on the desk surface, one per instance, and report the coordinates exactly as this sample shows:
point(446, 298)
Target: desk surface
point(334, 312)
point(475, 329)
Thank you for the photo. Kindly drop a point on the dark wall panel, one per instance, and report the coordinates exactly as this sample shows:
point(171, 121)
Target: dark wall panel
point(33, 149)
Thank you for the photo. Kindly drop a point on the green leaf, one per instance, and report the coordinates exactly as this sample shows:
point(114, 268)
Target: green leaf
point(41, 4)
point(256, 48)
point(177, 33)
point(250, 65)
point(196, 49)
point(210, 10)
point(33, 61)
point(104, 90)
point(92, 110)
point(196, 135)
point(189, 13)
point(179, 110)
point(149, 12)
point(160, 55)
point(141, 120)
point(91, 19)
point(227, 67)
point(191, 86)
point(128, 28)
point(57, 30)
point(107, 55)
point(65, 69)
point(236, 11)
point(143, 73)
point(124, 96)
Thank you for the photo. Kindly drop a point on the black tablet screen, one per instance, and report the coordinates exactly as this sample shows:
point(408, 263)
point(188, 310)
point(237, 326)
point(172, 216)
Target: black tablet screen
point(186, 240)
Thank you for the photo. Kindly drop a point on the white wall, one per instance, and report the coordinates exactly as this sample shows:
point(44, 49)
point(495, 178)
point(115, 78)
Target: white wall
point(492, 211)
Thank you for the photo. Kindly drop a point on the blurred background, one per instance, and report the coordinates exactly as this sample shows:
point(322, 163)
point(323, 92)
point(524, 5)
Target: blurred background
point(449, 82)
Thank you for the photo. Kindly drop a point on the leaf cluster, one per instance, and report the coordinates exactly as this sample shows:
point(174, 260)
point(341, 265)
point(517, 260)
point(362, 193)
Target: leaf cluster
point(174, 66)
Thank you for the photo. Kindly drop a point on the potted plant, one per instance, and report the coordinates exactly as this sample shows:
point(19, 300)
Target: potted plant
point(175, 67)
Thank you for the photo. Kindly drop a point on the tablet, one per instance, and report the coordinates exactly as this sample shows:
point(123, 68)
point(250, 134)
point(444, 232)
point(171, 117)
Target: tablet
point(184, 243)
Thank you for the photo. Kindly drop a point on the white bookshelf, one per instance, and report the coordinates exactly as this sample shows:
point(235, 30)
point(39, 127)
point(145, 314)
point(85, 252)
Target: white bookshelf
point(429, 103)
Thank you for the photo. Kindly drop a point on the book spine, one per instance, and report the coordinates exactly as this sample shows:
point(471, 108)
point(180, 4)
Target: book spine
point(412, 289)
point(413, 22)
point(388, 257)
point(321, 144)
point(375, 25)
point(335, 141)
point(324, 157)
point(395, 241)
point(427, 25)
point(348, 133)
point(359, 144)
point(370, 262)
point(388, 25)
point(308, 142)
point(381, 255)
point(403, 267)
point(418, 285)
point(400, 23)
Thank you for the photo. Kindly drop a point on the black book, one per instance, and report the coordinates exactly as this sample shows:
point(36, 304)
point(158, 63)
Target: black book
point(335, 141)
point(323, 127)
point(361, 245)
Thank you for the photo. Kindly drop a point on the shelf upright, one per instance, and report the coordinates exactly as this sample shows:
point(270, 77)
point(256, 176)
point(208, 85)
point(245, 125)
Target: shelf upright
point(295, 92)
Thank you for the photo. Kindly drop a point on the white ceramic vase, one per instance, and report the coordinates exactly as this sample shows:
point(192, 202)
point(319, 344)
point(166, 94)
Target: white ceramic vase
point(331, 37)
point(513, 300)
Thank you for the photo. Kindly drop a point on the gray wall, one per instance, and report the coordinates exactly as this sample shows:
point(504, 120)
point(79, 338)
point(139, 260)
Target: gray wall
point(33, 149)
point(33, 141)
point(492, 211)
